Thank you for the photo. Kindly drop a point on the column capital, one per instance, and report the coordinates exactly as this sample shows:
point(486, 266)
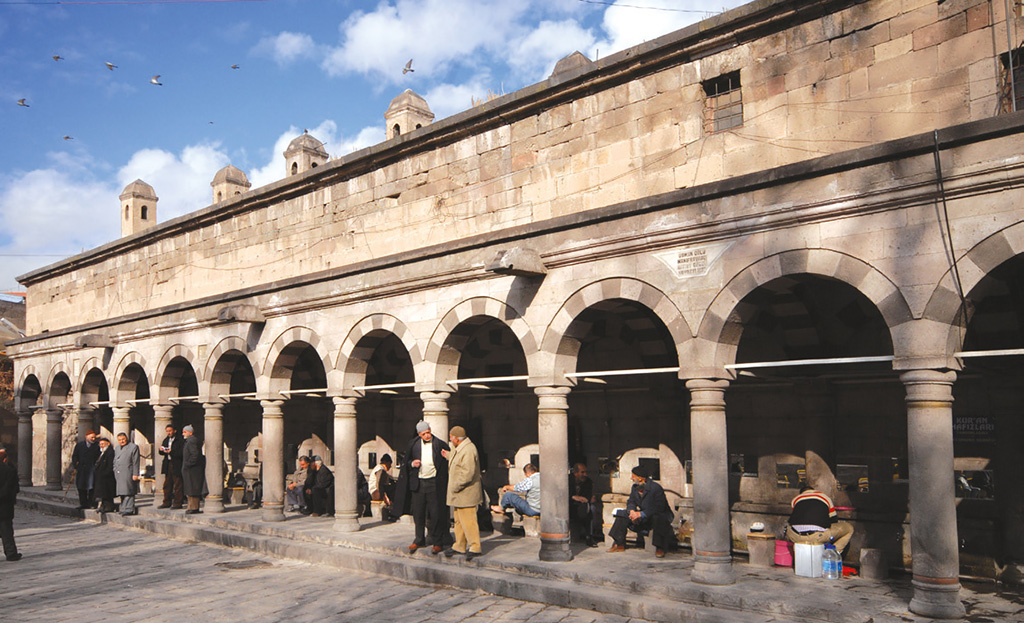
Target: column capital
point(158, 409)
point(553, 396)
point(923, 376)
point(435, 401)
point(344, 406)
point(24, 416)
point(55, 415)
point(272, 408)
point(213, 409)
point(708, 384)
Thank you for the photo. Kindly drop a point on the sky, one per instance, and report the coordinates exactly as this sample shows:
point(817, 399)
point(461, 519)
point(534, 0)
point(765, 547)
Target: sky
point(239, 80)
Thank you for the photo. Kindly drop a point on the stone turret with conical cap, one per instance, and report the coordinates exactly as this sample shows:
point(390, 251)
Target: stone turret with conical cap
point(304, 153)
point(228, 182)
point(138, 208)
point(406, 113)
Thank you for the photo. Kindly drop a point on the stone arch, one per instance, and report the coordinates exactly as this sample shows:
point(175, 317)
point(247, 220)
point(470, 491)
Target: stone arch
point(441, 359)
point(280, 359)
point(164, 376)
point(121, 392)
point(944, 305)
point(28, 380)
point(85, 392)
point(56, 371)
point(362, 341)
point(213, 381)
point(562, 338)
point(720, 331)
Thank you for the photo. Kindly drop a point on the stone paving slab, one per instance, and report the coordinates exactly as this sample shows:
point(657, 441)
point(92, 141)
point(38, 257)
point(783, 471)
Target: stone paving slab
point(633, 583)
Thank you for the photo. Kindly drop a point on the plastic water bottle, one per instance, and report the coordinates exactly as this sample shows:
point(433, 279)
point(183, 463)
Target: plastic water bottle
point(831, 563)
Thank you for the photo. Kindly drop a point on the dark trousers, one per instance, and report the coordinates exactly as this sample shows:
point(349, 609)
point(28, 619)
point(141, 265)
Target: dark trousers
point(584, 519)
point(7, 535)
point(322, 502)
point(661, 525)
point(429, 512)
point(174, 492)
point(85, 498)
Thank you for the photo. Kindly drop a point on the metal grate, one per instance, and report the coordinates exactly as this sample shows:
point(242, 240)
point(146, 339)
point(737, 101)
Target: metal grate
point(723, 104)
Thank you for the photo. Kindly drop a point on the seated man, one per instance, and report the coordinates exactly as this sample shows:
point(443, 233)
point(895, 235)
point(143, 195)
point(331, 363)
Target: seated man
point(813, 520)
point(646, 509)
point(382, 485)
point(530, 486)
point(583, 505)
point(322, 491)
point(295, 499)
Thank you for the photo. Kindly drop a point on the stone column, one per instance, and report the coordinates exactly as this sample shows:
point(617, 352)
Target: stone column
point(162, 418)
point(85, 418)
point(273, 460)
point(553, 435)
point(346, 462)
point(435, 413)
point(54, 418)
point(712, 532)
point(122, 422)
point(933, 532)
point(25, 448)
point(213, 447)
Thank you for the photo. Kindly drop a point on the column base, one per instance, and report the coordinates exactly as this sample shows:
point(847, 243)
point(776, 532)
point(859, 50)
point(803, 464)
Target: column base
point(713, 570)
point(272, 513)
point(54, 487)
point(214, 503)
point(24, 481)
point(938, 601)
point(346, 522)
point(555, 550)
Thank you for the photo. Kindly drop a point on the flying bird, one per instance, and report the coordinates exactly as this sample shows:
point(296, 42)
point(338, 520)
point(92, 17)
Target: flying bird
point(68, 138)
point(407, 68)
point(235, 67)
point(156, 80)
point(58, 57)
point(21, 102)
point(110, 66)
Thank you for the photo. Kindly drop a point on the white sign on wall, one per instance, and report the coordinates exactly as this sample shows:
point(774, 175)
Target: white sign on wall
point(692, 261)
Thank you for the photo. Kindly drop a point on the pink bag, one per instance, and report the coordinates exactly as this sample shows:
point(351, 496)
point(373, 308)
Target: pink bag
point(783, 553)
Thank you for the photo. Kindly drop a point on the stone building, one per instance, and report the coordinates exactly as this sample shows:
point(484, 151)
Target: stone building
point(766, 249)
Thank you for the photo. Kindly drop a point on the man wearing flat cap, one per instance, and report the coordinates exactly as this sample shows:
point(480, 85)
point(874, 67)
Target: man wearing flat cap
point(646, 510)
point(193, 470)
point(422, 487)
point(465, 493)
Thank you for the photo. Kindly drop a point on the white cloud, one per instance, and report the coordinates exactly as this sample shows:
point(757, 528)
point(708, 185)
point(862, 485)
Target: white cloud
point(535, 55)
point(181, 182)
point(327, 133)
point(627, 25)
point(286, 47)
point(448, 99)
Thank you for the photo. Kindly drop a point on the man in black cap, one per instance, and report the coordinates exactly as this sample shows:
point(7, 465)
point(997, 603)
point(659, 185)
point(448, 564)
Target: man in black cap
point(8, 492)
point(647, 509)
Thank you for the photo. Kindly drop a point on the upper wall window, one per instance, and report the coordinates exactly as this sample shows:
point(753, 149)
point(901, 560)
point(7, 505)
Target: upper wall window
point(145, 213)
point(723, 103)
point(1011, 92)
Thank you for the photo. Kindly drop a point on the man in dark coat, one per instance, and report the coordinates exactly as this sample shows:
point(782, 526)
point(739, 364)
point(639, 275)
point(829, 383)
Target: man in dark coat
point(8, 493)
point(193, 471)
point(422, 487)
point(323, 489)
point(105, 482)
point(646, 509)
point(83, 459)
point(583, 514)
point(170, 449)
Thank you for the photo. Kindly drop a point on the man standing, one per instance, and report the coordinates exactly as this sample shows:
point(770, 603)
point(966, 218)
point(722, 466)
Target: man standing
point(529, 486)
point(193, 471)
point(170, 449)
point(8, 493)
point(106, 484)
point(813, 520)
point(583, 504)
point(465, 493)
point(323, 489)
point(83, 459)
point(422, 485)
point(126, 473)
point(646, 509)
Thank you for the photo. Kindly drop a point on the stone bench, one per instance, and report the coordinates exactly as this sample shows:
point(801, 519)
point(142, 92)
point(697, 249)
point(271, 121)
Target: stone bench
point(234, 495)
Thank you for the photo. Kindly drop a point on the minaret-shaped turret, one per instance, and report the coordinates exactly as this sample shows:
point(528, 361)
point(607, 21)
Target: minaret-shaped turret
point(138, 208)
point(303, 154)
point(228, 182)
point(406, 113)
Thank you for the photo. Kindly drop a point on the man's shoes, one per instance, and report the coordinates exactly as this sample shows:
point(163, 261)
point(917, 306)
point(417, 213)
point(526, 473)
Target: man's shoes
point(164, 506)
point(448, 553)
point(472, 555)
point(13, 557)
point(176, 508)
point(591, 542)
point(435, 549)
point(129, 514)
point(413, 548)
point(193, 512)
point(314, 514)
point(659, 553)
point(614, 549)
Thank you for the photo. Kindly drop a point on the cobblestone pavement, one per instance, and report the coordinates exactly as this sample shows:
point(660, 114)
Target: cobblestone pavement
point(79, 571)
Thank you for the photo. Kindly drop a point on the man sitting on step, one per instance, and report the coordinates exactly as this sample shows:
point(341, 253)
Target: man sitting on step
point(646, 510)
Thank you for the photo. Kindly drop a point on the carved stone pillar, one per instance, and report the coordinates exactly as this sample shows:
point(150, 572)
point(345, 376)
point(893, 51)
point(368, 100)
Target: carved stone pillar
point(54, 418)
point(122, 422)
point(346, 462)
point(85, 419)
point(435, 413)
point(553, 435)
point(25, 448)
point(933, 540)
point(273, 460)
point(162, 418)
point(712, 537)
point(213, 447)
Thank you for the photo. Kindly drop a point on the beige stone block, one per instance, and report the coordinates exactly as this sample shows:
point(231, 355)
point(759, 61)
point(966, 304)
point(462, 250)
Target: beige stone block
point(915, 15)
point(935, 33)
point(913, 66)
point(804, 35)
point(964, 50)
point(985, 107)
point(860, 40)
point(896, 47)
point(978, 17)
point(524, 129)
